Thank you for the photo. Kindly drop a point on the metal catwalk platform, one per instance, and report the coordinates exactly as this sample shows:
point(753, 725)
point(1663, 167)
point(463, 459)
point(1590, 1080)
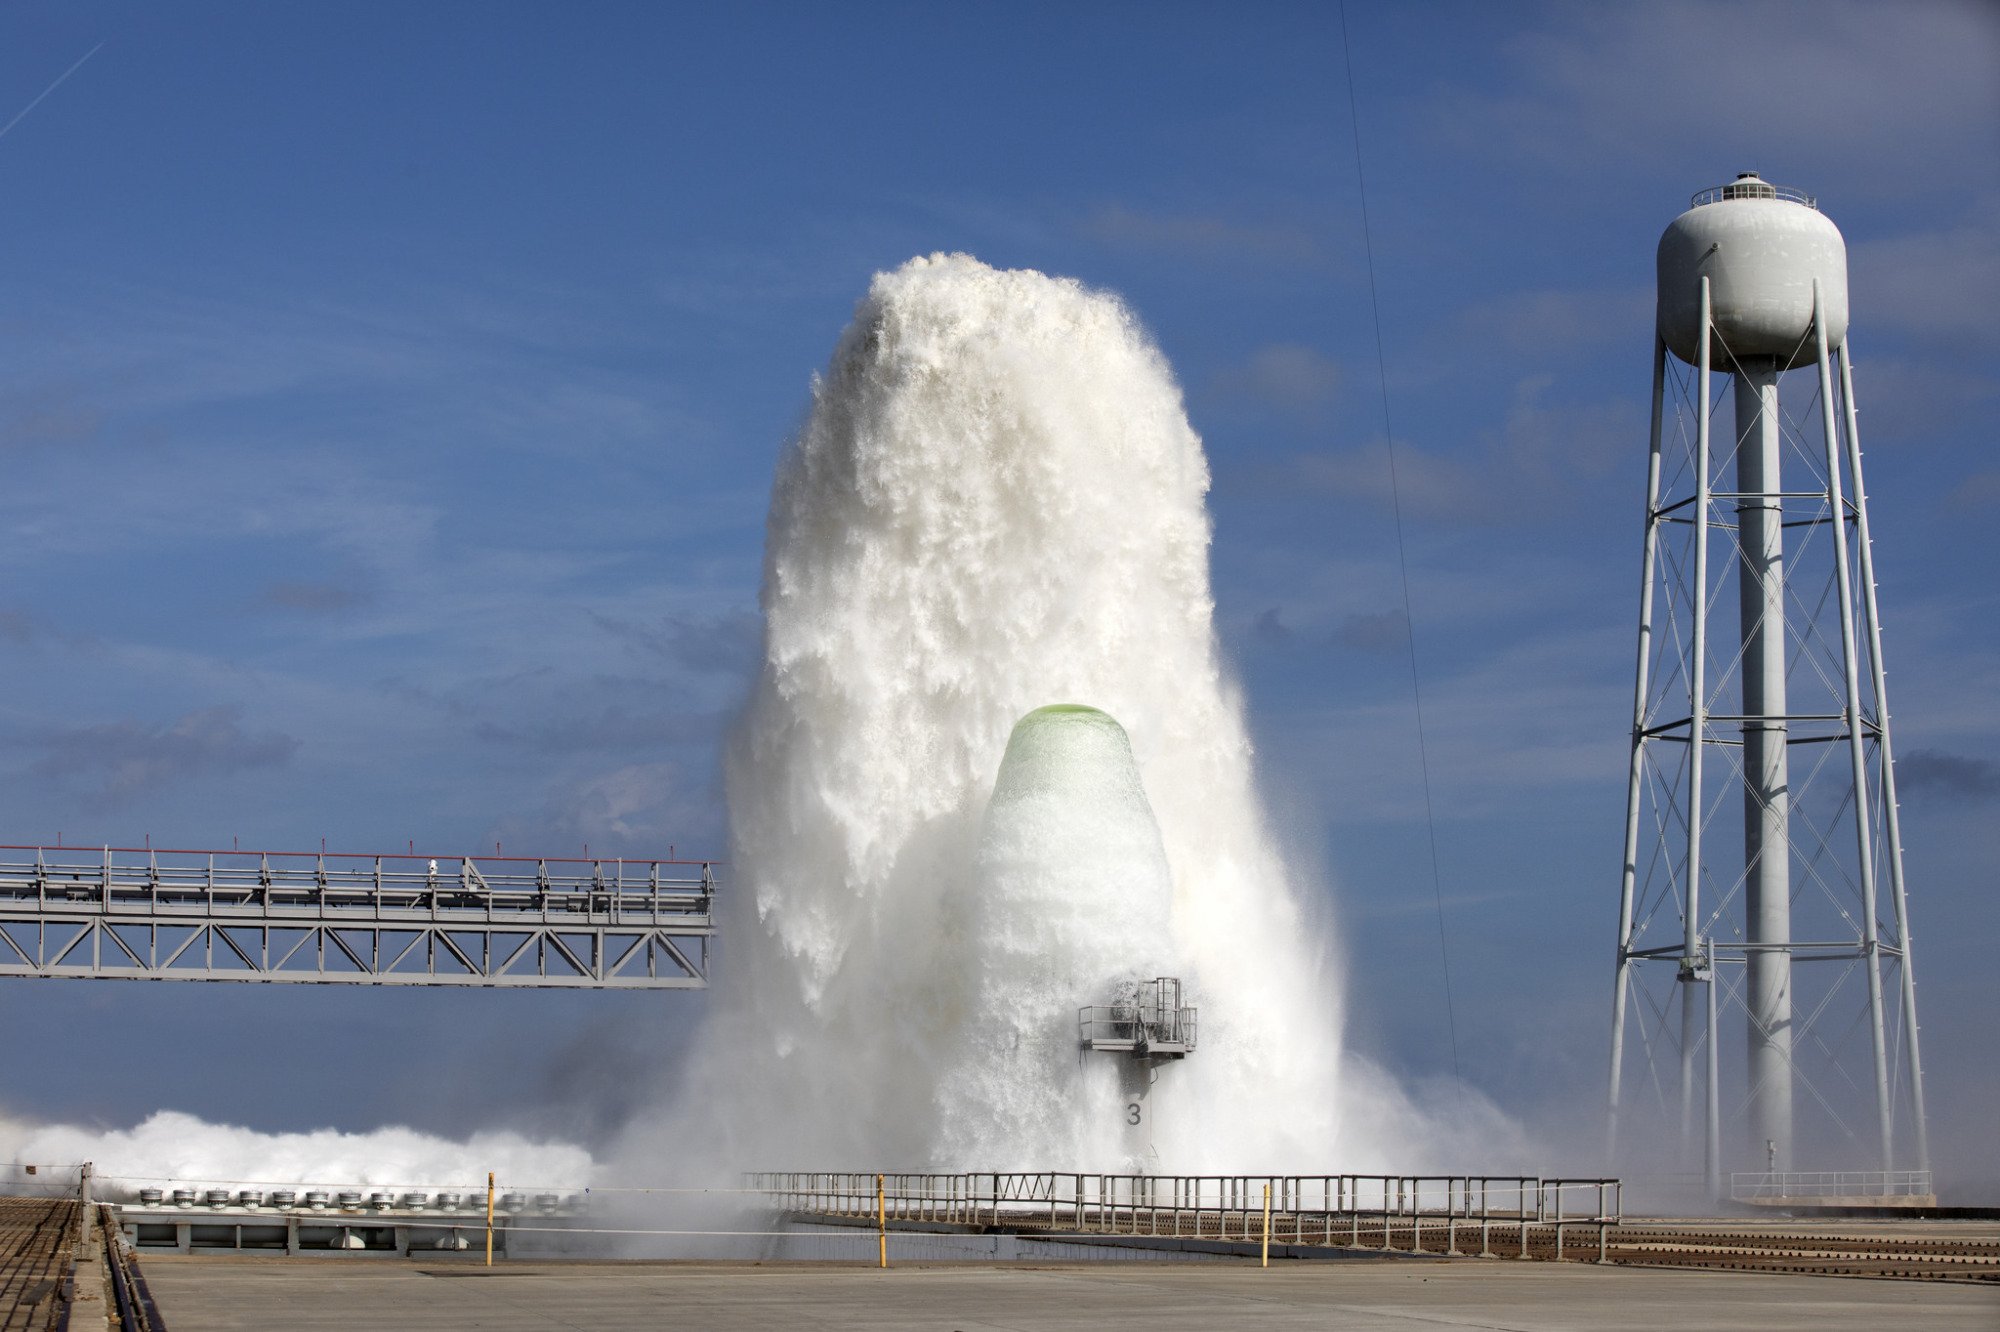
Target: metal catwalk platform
point(1524, 1216)
point(1321, 1216)
point(354, 919)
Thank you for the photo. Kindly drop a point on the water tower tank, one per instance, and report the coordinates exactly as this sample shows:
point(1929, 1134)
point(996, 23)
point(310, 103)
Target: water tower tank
point(1760, 247)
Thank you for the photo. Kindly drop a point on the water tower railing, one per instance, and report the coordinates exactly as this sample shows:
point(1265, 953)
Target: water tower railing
point(1759, 190)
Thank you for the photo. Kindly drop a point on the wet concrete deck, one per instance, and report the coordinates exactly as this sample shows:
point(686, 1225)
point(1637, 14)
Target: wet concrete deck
point(228, 1294)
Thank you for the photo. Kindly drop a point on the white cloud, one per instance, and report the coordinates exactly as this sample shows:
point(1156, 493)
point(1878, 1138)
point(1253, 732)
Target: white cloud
point(1942, 286)
point(1205, 234)
point(1288, 377)
point(1550, 320)
point(1887, 95)
point(1541, 449)
point(113, 761)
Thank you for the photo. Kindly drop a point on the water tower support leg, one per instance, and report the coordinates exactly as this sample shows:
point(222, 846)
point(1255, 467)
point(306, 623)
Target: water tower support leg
point(1712, 1157)
point(1856, 745)
point(1635, 775)
point(1891, 815)
point(1697, 712)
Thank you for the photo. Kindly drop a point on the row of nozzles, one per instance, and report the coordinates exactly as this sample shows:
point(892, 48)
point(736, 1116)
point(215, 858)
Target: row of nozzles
point(351, 1200)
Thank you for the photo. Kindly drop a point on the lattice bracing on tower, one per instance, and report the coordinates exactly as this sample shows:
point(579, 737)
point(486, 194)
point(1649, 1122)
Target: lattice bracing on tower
point(1764, 964)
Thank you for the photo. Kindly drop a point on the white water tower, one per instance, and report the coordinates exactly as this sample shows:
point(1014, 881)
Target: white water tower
point(1760, 706)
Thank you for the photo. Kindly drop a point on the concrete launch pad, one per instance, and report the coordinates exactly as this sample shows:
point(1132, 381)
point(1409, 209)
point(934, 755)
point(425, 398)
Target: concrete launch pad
point(226, 1294)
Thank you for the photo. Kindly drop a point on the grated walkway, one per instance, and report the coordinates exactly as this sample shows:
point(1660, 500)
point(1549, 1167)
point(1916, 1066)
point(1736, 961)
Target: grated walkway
point(35, 1239)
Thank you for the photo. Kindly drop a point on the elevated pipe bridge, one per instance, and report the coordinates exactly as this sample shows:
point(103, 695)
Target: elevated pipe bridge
point(317, 918)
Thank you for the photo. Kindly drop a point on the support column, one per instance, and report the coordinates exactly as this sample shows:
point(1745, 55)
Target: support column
point(1697, 810)
point(1635, 774)
point(1135, 1113)
point(1766, 778)
point(1891, 812)
point(1857, 747)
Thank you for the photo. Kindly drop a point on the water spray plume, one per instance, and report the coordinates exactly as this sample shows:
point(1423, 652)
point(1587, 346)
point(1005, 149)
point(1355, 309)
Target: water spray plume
point(1070, 898)
point(996, 503)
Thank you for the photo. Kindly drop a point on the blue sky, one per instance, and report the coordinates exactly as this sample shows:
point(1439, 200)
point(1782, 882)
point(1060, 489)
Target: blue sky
point(389, 395)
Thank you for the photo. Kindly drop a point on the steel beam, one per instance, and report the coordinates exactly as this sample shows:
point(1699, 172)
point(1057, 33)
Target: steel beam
point(354, 920)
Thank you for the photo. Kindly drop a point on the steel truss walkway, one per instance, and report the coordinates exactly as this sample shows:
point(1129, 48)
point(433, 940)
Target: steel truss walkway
point(355, 919)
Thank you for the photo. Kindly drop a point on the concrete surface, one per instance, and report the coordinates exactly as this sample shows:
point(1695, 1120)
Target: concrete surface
point(228, 1294)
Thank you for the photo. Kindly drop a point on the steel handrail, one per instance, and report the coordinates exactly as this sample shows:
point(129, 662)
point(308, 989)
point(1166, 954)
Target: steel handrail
point(1761, 189)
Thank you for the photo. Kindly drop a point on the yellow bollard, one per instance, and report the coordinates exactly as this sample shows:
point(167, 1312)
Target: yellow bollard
point(1267, 1225)
point(489, 1218)
point(881, 1225)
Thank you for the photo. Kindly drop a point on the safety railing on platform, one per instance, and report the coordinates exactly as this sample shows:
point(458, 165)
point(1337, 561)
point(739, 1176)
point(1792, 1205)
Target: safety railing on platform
point(1350, 1211)
point(1796, 1185)
point(1149, 1019)
point(144, 881)
point(1752, 188)
point(331, 917)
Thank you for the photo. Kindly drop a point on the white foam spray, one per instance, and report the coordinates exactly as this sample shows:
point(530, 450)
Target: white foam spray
point(1070, 897)
point(170, 1149)
point(996, 503)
